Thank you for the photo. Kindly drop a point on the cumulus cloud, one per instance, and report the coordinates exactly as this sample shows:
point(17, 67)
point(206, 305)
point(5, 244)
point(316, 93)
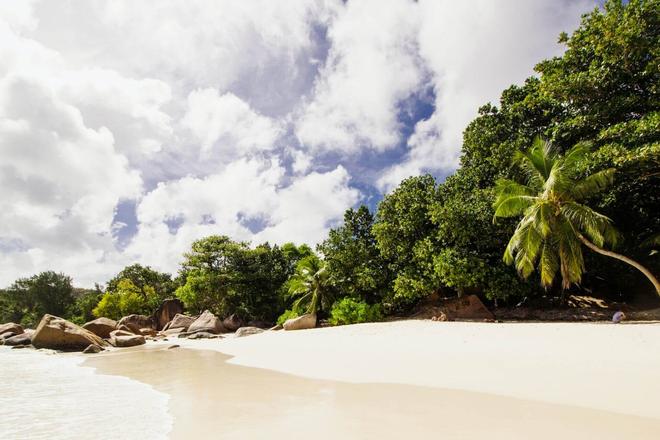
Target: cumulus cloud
point(474, 50)
point(230, 202)
point(243, 118)
point(373, 65)
point(263, 51)
point(227, 125)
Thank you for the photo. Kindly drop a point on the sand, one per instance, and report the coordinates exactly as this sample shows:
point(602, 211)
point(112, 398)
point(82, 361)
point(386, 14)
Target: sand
point(412, 379)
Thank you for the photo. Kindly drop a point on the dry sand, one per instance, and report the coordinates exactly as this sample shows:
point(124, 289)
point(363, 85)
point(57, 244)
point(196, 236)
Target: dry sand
point(408, 379)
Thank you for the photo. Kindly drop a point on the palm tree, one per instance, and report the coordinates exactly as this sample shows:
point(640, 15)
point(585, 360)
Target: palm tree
point(555, 225)
point(310, 285)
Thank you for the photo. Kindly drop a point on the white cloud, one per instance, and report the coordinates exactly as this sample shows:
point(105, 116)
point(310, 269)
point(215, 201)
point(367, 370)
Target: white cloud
point(475, 50)
point(259, 49)
point(306, 209)
point(372, 66)
point(227, 125)
point(191, 110)
point(226, 202)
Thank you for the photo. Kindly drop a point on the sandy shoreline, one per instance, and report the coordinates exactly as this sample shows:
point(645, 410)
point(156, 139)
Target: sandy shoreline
point(413, 378)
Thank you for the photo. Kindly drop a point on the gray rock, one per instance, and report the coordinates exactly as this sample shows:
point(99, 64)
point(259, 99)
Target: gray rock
point(203, 335)
point(247, 331)
point(101, 327)
point(173, 331)
point(136, 322)
point(127, 340)
point(232, 322)
point(207, 322)
point(301, 323)
point(22, 339)
point(59, 334)
point(6, 335)
point(166, 312)
point(11, 327)
point(173, 346)
point(91, 349)
point(180, 321)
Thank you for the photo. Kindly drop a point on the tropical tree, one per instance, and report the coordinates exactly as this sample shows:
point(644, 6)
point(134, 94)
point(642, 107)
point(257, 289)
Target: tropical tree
point(405, 237)
point(355, 265)
point(310, 286)
point(28, 299)
point(555, 225)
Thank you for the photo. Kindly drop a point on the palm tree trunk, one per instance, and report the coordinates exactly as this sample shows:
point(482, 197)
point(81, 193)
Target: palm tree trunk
point(623, 258)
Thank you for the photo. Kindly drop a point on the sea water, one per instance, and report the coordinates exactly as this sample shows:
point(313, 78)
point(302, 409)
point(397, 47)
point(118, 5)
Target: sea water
point(52, 396)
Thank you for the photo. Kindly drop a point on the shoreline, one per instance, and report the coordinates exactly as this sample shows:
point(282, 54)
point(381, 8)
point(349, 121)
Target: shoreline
point(590, 365)
point(49, 395)
point(238, 402)
point(429, 377)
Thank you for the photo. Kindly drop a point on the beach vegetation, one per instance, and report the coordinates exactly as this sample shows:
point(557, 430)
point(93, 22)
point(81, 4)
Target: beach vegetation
point(309, 288)
point(592, 117)
point(27, 299)
point(354, 311)
point(225, 277)
point(555, 224)
point(352, 259)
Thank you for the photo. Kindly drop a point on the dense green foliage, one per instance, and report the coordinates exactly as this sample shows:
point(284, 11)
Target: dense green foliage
point(310, 288)
point(352, 311)
point(136, 289)
point(355, 265)
point(428, 236)
point(86, 301)
point(28, 299)
point(158, 284)
point(554, 221)
point(405, 236)
point(227, 277)
point(127, 298)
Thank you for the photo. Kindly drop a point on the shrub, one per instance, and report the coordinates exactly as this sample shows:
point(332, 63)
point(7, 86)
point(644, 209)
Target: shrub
point(353, 311)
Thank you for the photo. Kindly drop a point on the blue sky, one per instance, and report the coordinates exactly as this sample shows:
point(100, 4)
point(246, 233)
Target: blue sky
point(130, 129)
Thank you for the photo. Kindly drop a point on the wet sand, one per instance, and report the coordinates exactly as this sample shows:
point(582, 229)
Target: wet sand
point(209, 396)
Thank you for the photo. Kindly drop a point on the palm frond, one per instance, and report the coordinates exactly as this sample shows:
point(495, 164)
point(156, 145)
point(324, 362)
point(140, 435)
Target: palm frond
point(543, 217)
point(543, 155)
point(593, 184)
point(548, 263)
point(594, 225)
point(523, 247)
point(512, 198)
point(571, 260)
point(513, 206)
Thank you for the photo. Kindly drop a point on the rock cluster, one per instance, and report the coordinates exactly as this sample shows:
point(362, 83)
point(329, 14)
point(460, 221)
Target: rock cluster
point(166, 312)
point(95, 336)
point(59, 334)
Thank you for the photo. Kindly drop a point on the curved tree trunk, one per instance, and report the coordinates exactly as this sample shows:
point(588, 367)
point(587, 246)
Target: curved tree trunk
point(623, 258)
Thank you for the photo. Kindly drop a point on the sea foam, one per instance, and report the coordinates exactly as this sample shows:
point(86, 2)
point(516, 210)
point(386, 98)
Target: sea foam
point(51, 396)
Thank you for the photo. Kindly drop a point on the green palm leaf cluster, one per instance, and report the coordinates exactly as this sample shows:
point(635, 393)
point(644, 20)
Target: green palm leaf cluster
point(309, 287)
point(555, 224)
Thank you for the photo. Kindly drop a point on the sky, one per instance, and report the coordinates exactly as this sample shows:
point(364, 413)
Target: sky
point(130, 129)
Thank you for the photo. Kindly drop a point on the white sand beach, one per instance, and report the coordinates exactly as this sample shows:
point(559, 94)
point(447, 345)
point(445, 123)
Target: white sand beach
point(414, 378)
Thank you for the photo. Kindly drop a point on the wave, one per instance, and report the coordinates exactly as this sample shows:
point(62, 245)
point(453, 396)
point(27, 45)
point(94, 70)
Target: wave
point(51, 396)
